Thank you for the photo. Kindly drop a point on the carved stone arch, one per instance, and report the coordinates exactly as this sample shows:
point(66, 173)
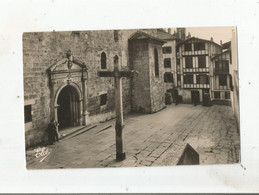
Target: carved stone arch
point(68, 76)
point(77, 88)
point(67, 105)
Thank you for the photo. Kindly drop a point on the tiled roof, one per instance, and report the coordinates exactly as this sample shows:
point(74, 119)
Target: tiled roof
point(227, 45)
point(165, 35)
point(217, 55)
point(199, 40)
point(142, 35)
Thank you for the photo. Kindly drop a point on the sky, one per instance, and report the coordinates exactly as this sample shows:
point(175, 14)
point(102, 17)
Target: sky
point(218, 33)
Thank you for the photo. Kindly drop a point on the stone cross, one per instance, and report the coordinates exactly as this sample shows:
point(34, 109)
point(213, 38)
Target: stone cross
point(117, 74)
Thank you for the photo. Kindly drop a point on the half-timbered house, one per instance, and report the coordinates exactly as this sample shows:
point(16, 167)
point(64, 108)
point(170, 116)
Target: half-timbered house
point(194, 68)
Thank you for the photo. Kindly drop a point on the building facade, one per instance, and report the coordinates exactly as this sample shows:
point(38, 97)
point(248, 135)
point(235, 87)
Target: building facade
point(222, 79)
point(194, 68)
point(61, 79)
point(169, 57)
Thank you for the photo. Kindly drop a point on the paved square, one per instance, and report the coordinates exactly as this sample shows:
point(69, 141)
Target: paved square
point(150, 140)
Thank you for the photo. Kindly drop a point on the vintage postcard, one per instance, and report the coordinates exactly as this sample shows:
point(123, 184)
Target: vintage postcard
point(130, 98)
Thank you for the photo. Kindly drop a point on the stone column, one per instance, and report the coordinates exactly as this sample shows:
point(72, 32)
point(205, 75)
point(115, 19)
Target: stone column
point(83, 99)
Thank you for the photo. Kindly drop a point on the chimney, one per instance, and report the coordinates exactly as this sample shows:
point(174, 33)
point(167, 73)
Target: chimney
point(211, 39)
point(181, 33)
point(169, 30)
point(189, 35)
point(220, 42)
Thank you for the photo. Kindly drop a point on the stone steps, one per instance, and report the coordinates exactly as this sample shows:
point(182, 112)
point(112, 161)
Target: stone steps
point(77, 131)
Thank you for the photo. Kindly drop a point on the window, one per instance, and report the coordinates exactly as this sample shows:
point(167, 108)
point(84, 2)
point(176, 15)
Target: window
point(188, 62)
point(187, 47)
point(167, 62)
point(116, 35)
point(167, 50)
point(103, 61)
point(227, 95)
point(202, 79)
point(222, 80)
point(202, 61)
point(27, 114)
point(188, 79)
point(178, 61)
point(168, 77)
point(222, 66)
point(103, 99)
point(225, 65)
point(217, 95)
point(156, 63)
point(199, 46)
point(116, 61)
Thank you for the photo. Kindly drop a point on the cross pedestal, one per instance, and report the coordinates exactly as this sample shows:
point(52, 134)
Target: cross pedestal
point(118, 74)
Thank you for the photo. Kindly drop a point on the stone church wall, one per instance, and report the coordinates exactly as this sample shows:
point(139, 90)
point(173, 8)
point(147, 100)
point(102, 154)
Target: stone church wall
point(157, 85)
point(41, 50)
point(141, 85)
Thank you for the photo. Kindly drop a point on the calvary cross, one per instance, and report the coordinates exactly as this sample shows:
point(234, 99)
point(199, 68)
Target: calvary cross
point(117, 74)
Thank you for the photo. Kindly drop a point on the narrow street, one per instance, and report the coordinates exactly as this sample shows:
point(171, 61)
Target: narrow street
point(150, 140)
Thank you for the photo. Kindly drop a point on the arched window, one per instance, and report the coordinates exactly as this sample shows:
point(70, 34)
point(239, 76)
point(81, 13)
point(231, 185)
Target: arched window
point(116, 35)
point(156, 63)
point(116, 61)
point(103, 61)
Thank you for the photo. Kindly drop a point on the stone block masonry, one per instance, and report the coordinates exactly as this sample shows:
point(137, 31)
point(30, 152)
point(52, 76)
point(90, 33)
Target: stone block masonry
point(42, 50)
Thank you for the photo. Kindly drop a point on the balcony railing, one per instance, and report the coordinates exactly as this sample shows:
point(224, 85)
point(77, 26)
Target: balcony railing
point(203, 86)
point(220, 71)
point(196, 69)
point(222, 87)
point(199, 52)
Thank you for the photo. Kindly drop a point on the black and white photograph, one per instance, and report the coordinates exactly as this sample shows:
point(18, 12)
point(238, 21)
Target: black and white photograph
point(130, 98)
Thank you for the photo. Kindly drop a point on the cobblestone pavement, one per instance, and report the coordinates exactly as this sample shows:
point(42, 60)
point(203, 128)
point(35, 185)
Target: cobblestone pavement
point(150, 140)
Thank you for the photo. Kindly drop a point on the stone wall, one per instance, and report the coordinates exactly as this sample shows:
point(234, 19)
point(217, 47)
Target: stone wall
point(139, 60)
point(157, 85)
point(43, 49)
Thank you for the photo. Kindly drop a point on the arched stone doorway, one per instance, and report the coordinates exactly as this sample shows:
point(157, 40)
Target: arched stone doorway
point(67, 80)
point(68, 110)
